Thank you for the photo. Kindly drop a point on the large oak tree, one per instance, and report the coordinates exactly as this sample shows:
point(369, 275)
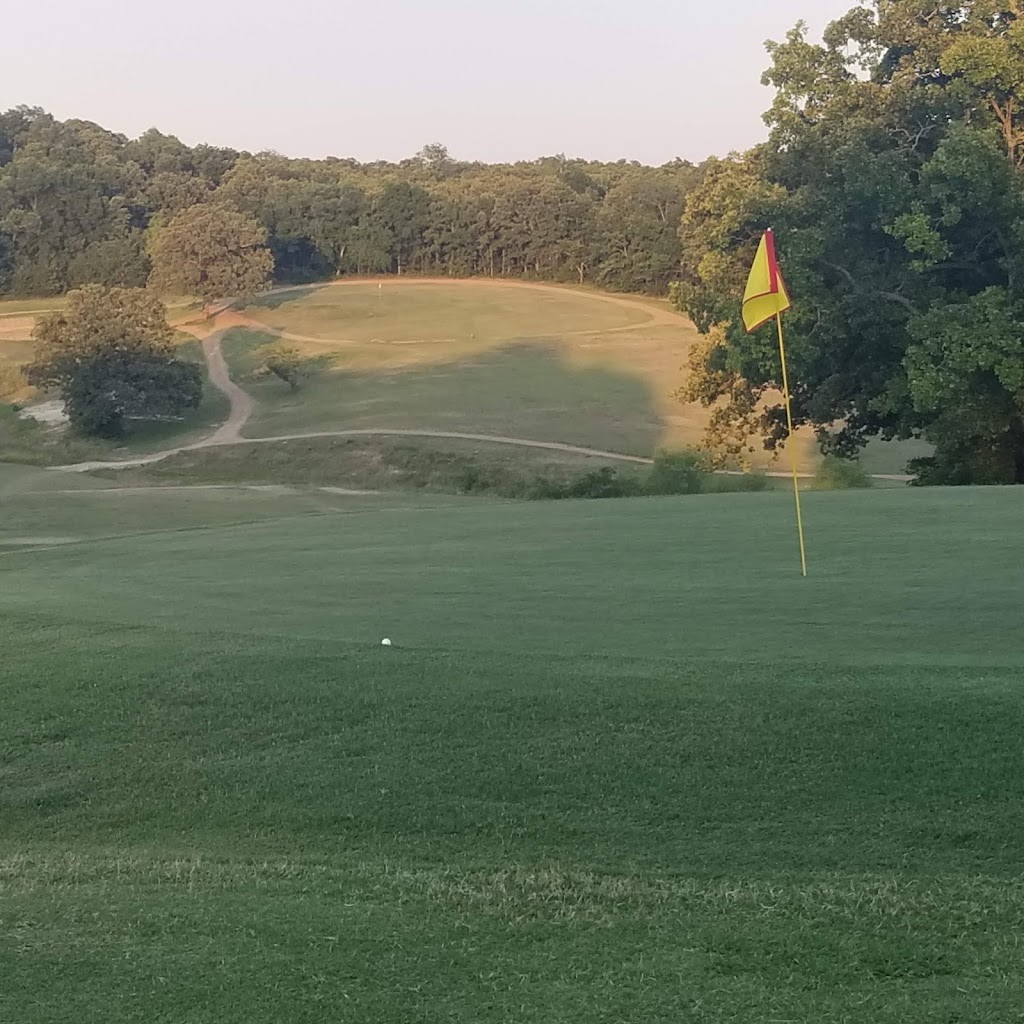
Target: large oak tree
point(111, 356)
point(212, 253)
point(892, 177)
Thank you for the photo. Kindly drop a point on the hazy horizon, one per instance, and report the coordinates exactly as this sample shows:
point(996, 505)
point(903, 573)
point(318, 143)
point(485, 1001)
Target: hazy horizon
point(647, 81)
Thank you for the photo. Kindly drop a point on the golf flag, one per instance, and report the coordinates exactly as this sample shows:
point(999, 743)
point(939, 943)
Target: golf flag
point(766, 299)
point(766, 294)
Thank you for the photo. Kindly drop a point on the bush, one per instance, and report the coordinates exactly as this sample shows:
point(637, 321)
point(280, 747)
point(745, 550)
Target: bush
point(602, 483)
point(743, 483)
point(282, 361)
point(543, 488)
point(684, 472)
point(836, 474)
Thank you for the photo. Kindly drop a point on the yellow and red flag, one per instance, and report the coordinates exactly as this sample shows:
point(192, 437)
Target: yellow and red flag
point(766, 296)
point(766, 299)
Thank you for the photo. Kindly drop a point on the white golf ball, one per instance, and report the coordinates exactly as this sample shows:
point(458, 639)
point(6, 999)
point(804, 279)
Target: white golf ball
point(385, 642)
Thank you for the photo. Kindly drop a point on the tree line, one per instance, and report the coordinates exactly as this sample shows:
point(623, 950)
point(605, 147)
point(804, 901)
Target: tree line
point(81, 205)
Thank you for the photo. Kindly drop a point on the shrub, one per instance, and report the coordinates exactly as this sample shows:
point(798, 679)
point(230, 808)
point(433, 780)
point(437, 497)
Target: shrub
point(744, 483)
point(602, 483)
point(682, 472)
point(836, 474)
point(543, 488)
point(282, 361)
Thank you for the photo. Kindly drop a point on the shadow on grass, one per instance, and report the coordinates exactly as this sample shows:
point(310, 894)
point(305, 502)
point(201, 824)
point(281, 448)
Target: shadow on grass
point(153, 435)
point(527, 390)
point(278, 299)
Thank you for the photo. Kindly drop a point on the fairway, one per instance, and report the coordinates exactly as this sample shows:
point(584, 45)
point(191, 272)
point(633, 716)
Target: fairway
point(545, 363)
point(622, 763)
point(519, 361)
point(451, 313)
point(509, 358)
point(537, 361)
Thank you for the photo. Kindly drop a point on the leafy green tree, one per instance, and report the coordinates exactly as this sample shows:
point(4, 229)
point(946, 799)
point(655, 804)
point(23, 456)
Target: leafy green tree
point(63, 193)
point(14, 126)
point(455, 239)
point(111, 355)
point(284, 362)
point(402, 212)
point(437, 160)
point(211, 253)
point(892, 180)
point(370, 246)
point(638, 225)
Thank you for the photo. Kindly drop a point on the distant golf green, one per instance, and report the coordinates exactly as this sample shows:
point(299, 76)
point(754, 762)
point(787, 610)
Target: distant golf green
point(621, 762)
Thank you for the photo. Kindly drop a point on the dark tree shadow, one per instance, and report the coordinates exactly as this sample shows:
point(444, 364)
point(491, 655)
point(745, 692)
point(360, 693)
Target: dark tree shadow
point(523, 390)
point(279, 299)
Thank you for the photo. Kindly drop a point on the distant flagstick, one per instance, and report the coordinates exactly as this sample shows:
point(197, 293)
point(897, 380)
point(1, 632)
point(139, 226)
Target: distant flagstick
point(766, 299)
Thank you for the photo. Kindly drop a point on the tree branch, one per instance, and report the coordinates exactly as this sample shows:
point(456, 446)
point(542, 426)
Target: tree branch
point(901, 300)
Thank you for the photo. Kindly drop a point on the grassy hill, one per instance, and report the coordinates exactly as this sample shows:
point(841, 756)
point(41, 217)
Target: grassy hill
point(622, 763)
point(512, 359)
point(535, 361)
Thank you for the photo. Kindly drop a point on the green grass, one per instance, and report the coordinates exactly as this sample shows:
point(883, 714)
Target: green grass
point(622, 763)
point(549, 364)
point(522, 391)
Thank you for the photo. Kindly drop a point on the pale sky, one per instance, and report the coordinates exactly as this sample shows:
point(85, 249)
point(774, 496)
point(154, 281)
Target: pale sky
point(493, 80)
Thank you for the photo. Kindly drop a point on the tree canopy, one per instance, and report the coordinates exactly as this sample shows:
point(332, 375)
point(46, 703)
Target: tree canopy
point(112, 357)
point(212, 253)
point(77, 204)
point(892, 178)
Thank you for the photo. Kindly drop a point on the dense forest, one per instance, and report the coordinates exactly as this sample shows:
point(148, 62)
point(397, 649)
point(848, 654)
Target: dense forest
point(77, 203)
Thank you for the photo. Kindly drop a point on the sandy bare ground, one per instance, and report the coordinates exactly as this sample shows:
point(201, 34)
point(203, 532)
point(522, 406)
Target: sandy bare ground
point(51, 413)
point(211, 332)
point(16, 327)
point(241, 401)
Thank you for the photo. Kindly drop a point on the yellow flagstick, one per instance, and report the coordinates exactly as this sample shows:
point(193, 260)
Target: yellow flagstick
point(792, 449)
point(766, 297)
